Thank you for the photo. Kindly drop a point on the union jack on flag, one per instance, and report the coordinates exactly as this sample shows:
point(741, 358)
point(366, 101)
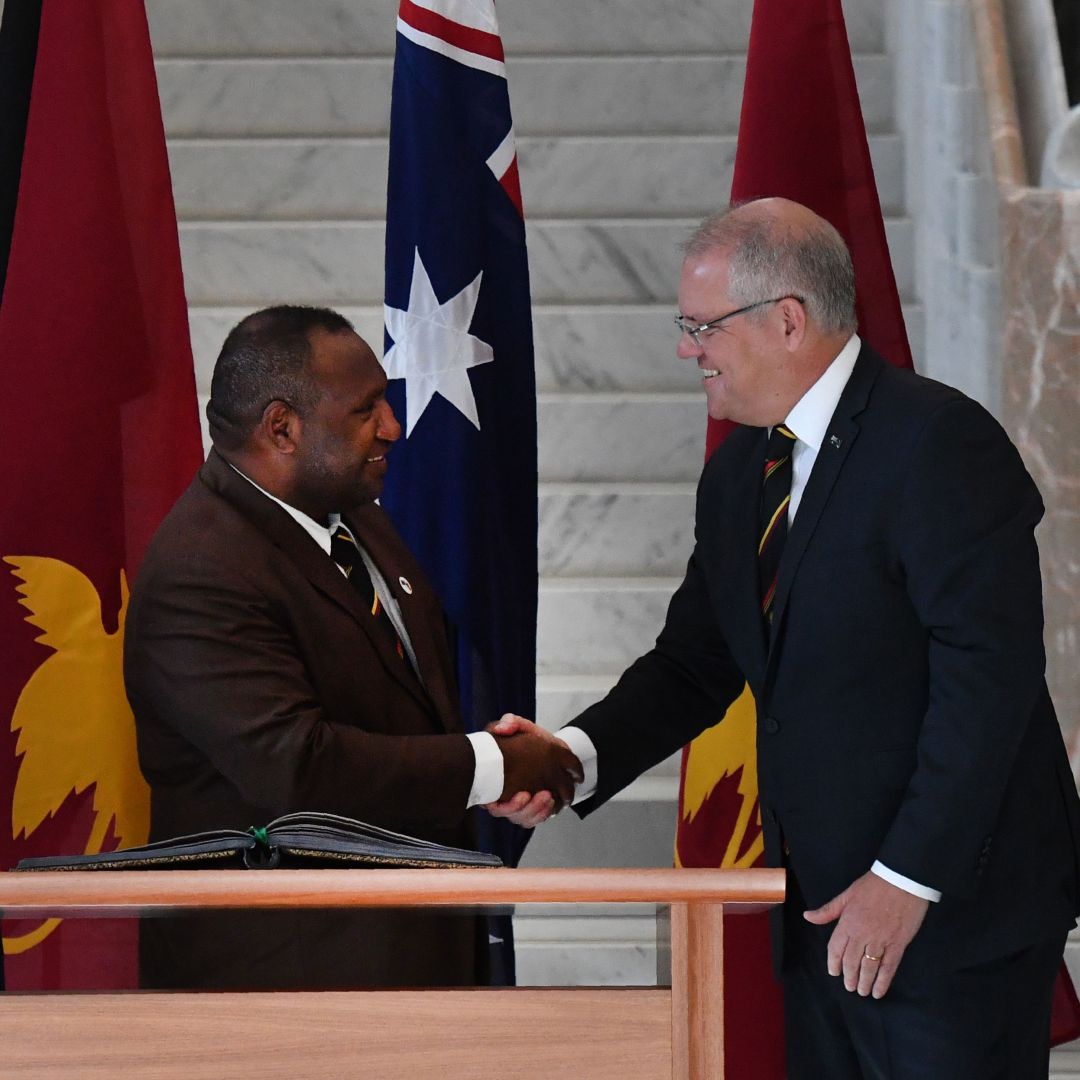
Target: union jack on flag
point(459, 356)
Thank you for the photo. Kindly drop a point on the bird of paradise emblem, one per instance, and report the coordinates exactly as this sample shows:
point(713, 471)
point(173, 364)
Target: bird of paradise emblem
point(75, 727)
point(721, 751)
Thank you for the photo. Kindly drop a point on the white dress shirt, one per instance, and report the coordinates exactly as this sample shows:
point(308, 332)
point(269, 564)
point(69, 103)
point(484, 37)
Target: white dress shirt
point(808, 421)
point(486, 753)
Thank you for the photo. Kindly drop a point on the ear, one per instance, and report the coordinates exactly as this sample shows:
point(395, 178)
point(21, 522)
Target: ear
point(793, 316)
point(280, 427)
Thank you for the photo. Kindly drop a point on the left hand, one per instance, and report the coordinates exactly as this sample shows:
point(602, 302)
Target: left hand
point(875, 919)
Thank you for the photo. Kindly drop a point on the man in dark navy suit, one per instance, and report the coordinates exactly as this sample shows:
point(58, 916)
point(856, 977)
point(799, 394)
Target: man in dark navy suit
point(865, 560)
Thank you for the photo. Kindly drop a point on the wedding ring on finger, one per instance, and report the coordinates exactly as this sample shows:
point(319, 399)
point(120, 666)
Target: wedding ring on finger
point(873, 959)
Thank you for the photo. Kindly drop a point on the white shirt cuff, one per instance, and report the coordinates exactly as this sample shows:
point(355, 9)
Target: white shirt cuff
point(582, 747)
point(901, 882)
point(488, 776)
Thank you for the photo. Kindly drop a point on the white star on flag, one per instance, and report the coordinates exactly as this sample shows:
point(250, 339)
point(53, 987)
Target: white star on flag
point(433, 349)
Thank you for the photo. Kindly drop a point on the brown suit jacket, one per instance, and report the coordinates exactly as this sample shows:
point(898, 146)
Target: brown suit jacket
point(262, 685)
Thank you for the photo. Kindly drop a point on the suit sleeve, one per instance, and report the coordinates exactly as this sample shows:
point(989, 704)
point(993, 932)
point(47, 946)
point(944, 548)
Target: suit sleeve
point(211, 658)
point(967, 547)
point(667, 697)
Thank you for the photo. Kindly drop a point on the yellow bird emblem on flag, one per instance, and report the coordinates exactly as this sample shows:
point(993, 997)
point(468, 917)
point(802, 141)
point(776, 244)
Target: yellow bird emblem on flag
point(75, 727)
point(716, 753)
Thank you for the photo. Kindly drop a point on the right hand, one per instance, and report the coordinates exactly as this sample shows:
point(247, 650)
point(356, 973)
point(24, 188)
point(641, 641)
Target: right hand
point(535, 761)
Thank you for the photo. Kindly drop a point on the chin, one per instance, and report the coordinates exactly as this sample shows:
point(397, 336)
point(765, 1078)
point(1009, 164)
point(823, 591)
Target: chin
point(718, 411)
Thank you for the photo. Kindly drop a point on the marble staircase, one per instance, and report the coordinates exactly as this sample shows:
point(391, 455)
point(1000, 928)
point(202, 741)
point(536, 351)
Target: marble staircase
point(626, 115)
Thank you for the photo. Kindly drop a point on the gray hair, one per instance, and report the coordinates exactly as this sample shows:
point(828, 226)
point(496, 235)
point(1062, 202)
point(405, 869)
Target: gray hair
point(773, 257)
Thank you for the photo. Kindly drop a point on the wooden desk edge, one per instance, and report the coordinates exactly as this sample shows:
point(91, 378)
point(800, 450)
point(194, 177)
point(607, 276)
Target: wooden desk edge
point(122, 892)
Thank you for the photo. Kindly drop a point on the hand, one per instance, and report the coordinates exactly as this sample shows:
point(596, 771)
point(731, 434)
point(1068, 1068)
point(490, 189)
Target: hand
point(876, 919)
point(539, 772)
point(526, 810)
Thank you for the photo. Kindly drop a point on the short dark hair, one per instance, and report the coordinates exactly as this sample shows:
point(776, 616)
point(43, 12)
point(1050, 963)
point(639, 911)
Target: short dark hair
point(265, 358)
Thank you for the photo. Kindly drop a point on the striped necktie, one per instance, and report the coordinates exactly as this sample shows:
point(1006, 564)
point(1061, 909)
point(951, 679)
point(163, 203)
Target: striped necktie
point(773, 520)
point(346, 554)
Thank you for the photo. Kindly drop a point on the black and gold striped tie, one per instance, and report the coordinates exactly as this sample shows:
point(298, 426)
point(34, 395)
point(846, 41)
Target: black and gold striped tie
point(346, 554)
point(773, 521)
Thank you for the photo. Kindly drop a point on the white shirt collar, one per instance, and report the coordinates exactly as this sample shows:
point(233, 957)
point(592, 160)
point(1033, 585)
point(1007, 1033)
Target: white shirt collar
point(319, 533)
point(809, 419)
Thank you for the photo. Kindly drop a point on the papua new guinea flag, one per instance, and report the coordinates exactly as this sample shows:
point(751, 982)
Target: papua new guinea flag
point(101, 435)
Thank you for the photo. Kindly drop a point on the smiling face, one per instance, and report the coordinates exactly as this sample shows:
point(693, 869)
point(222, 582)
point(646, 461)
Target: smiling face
point(341, 441)
point(747, 368)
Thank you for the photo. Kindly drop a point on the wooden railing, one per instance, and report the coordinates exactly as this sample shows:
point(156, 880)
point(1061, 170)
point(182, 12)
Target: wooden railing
point(622, 1034)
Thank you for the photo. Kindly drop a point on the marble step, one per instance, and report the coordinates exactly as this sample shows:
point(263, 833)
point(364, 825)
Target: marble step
point(367, 27)
point(578, 347)
point(565, 95)
point(621, 437)
point(622, 833)
point(609, 530)
point(559, 698)
point(595, 260)
point(597, 626)
point(555, 948)
point(565, 176)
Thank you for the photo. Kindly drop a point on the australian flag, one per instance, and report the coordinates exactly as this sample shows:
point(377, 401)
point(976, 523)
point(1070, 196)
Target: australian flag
point(459, 356)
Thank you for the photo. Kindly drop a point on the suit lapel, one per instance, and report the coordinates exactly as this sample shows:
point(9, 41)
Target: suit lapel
point(417, 607)
point(309, 559)
point(839, 438)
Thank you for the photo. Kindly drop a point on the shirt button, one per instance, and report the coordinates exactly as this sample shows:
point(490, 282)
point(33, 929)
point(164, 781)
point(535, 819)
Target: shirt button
point(772, 725)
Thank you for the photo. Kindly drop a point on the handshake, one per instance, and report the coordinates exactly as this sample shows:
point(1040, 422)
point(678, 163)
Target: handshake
point(539, 772)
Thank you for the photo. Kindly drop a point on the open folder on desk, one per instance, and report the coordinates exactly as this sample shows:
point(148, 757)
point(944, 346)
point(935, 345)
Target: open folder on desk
point(302, 839)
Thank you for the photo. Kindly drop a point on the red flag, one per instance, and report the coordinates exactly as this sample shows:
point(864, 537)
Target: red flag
point(801, 136)
point(101, 434)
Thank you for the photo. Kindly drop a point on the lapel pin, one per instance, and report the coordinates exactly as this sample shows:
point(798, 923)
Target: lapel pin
point(835, 442)
point(406, 585)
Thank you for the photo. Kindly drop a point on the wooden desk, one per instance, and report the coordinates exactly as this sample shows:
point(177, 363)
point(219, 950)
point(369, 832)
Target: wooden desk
point(486, 1034)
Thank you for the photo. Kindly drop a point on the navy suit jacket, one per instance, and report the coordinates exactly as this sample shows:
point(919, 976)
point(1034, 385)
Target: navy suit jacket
point(903, 713)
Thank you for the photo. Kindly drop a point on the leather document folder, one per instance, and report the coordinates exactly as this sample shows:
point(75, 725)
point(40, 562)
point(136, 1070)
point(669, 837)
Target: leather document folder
point(302, 839)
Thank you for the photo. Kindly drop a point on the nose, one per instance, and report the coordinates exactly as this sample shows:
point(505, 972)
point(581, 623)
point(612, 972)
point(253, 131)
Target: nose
point(389, 430)
point(688, 348)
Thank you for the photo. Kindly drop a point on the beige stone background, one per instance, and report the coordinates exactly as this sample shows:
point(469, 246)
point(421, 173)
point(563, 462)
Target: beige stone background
point(1040, 294)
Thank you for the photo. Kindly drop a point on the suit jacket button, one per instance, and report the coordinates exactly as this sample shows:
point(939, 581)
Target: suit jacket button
point(772, 725)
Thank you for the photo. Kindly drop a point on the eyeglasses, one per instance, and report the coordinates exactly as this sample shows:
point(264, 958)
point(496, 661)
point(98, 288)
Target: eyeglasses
point(700, 329)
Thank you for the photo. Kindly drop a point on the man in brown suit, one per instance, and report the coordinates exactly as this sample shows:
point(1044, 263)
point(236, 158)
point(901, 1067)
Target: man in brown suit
point(264, 681)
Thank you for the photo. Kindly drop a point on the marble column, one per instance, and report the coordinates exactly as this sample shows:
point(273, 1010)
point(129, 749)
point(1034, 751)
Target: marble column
point(1041, 410)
